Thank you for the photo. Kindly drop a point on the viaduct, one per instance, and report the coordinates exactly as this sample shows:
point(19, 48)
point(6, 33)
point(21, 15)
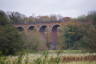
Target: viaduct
point(42, 27)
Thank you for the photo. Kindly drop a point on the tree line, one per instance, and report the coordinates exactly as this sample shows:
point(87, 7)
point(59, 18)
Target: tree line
point(18, 18)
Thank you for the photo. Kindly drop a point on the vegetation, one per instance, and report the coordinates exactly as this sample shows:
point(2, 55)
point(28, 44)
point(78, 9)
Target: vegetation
point(10, 41)
point(47, 58)
point(88, 42)
point(72, 33)
point(75, 36)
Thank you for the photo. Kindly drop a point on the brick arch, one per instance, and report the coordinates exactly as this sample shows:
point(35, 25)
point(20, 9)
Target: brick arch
point(42, 28)
point(20, 28)
point(30, 28)
point(55, 27)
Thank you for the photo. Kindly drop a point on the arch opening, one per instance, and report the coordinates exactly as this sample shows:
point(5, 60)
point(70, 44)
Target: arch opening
point(54, 36)
point(20, 28)
point(31, 28)
point(55, 28)
point(43, 28)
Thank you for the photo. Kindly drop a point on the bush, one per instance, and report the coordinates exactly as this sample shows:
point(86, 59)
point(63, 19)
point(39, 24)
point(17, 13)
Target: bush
point(10, 41)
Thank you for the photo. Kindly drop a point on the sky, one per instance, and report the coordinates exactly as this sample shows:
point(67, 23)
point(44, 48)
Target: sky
point(69, 8)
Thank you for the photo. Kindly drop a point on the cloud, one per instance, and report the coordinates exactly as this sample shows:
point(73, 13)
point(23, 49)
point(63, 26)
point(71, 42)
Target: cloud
point(72, 8)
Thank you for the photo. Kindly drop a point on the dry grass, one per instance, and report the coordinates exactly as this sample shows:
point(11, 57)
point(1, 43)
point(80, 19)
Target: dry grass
point(50, 58)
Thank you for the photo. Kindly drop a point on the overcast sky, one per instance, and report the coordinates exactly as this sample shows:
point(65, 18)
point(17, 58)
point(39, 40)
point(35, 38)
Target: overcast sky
point(71, 8)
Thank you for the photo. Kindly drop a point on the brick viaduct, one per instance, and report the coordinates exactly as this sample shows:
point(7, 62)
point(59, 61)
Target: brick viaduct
point(43, 27)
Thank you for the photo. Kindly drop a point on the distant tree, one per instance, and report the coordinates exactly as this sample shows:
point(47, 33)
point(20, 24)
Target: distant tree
point(17, 18)
point(72, 34)
point(3, 18)
point(82, 18)
point(10, 41)
point(31, 19)
point(43, 18)
point(92, 17)
point(53, 18)
point(88, 42)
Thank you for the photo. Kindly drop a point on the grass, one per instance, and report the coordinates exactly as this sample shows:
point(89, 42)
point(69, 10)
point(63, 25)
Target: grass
point(63, 51)
point(58, 57)
point(81, 62)
point(66, 51)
